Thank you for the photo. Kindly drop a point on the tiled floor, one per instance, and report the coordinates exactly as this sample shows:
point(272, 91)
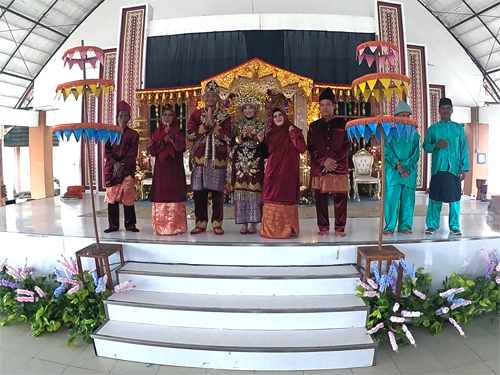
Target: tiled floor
point(54, 217)
point(445, 353)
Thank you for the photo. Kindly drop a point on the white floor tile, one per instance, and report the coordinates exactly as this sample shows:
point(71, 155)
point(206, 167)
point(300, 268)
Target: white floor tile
point(486, 348)
point(30, 346)
point(494, 364)
point(174, 370)
point(12, 362)
point(81, 371)
point(342, 371)
point(88, 360)
point(476, 369)
point(225, 372)
point(454, 354)
point(58, 351)
point(134, 368)
point(38, 366)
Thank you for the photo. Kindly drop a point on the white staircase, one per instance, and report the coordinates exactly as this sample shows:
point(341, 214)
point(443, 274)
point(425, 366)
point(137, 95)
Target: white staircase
point(238, 317)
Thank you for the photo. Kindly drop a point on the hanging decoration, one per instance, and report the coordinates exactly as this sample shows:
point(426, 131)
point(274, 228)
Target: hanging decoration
point(88, 86)
point(267, 75)
point(392, 126)
point(83, 54)
point(388, 83)
point(90, 130)
point(384, 50)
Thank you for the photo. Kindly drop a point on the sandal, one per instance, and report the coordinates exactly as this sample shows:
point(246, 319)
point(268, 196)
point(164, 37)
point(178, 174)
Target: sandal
point(242, 231)
point(218, 231)
point(198, 230)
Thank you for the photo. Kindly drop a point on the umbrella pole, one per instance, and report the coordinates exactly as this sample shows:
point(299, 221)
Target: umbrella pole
point(382, 188)
point(89, 158)
point(382, 156)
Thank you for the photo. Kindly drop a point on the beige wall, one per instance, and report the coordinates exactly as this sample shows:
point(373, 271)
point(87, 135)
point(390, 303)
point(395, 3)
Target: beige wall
point(42, 177)
point(477, 140)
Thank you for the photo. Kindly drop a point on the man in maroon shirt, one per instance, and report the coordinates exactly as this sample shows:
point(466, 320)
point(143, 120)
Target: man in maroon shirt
point(329, 146)
point(119, 172)
point(210, 130)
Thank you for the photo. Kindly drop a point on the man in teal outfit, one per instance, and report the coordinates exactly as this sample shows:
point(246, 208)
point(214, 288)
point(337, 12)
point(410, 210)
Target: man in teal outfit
point(401, 157)
point(447, 142)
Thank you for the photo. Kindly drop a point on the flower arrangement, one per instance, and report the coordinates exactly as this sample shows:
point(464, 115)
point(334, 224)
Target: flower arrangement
point(459, 301)
point(79, 304)
point(76, 303)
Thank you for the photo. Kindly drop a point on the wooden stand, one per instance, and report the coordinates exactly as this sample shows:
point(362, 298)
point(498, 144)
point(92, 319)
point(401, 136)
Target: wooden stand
point(374, 254)
point(101, 256)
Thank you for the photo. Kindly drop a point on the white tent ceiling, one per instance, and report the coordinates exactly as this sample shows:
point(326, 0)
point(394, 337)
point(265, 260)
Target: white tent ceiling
point(31, 31)
point(475, 24)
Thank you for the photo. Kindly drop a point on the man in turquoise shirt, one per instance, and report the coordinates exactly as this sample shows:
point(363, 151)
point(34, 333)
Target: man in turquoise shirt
point(447, 142)
point(401, 157)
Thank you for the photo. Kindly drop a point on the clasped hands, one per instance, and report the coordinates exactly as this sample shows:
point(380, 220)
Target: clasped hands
point(117, 169)
point(167, 139)
point(330, 165)
point(441, 144)
point(401, 171)
point(209, 120)
point(247, 134)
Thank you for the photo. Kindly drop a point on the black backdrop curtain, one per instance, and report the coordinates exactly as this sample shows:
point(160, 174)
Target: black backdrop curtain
point(188, 59)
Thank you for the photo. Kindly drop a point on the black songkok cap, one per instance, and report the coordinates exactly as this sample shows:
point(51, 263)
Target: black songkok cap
point(327, 94)
point(445, 101)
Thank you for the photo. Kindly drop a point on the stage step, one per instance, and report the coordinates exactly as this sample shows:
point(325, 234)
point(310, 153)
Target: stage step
point(238, 317)
point(238, 311)
point(243, 280)
point(236, 349)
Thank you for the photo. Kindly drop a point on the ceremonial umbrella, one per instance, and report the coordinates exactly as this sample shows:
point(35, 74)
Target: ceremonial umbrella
point(87, 130)
point(378, 85)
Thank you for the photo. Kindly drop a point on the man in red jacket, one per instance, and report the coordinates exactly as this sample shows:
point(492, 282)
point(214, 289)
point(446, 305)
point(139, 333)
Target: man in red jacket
point(210, 130)
point(329, 146)
point(119, 172)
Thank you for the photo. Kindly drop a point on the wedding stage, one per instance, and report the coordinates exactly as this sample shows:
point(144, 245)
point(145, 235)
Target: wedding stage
point(238, 301)
point(43, 229)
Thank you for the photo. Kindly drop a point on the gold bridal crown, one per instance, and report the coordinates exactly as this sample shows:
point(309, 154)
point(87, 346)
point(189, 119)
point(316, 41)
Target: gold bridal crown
point(247, 99)
point(250, 93)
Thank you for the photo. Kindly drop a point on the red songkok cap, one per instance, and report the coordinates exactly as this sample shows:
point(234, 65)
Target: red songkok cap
point(123, 106)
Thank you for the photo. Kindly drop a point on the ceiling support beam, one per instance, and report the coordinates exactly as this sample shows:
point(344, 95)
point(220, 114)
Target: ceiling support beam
point(491, 83)
point(18, 45)
point(474, 15)
point(37, 23)
point(17, 76)
point(98, 2)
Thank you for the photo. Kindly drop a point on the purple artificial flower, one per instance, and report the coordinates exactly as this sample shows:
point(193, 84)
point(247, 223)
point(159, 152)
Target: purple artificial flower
point(420, 294)
point(394, 283)
point(10, 284)
point(489, 269)
point(364, 285)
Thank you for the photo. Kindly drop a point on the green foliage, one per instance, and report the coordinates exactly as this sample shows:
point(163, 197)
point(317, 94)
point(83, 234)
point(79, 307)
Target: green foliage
point(381, 308)
point(82, 311)
point(85, 311)
point(22, 311)
point(483, 294)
